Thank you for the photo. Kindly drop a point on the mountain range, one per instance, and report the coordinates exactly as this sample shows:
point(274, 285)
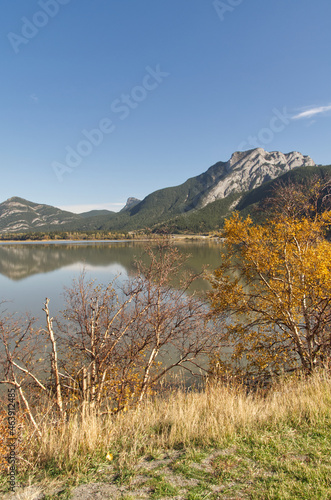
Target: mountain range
point(199, 204)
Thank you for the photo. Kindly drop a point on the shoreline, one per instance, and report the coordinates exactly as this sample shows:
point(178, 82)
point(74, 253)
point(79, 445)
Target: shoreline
point(174, 237)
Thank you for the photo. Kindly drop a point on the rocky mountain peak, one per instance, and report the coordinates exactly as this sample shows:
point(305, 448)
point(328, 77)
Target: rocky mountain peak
point(239, 156)
point(15, 199)
point(249, 169)
point(130, 203)
point(258, 157)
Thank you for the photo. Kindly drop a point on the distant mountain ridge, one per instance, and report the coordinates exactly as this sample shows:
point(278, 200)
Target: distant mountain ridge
point(223, 182)
point(244, 171)
point(96, 213)
point(19, 215)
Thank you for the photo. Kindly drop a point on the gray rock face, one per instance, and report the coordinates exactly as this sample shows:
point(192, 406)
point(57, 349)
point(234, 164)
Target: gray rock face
point(249, 169)
point(130, 203)
point(17, 214)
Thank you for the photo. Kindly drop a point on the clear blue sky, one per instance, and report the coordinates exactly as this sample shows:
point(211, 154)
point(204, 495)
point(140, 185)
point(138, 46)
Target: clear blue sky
point(173, 86)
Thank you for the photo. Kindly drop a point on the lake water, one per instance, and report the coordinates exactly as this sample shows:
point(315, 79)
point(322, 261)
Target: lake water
point(30, 272)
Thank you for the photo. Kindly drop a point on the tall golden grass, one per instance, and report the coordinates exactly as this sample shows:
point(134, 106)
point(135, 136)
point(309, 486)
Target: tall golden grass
point(176, 419)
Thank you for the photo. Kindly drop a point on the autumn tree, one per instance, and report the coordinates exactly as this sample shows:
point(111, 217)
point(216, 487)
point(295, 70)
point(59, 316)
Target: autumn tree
point(17, 359)
point(174, 327)
point(24, 361)
point(94, 328)
point(119, 342)
point(274, 286)
point(305, 199)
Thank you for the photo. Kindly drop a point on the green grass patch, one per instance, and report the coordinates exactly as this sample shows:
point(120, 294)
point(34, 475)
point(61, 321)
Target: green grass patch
point(161, 488)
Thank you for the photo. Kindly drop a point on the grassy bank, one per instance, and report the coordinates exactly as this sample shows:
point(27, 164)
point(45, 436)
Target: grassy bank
point(219, 443)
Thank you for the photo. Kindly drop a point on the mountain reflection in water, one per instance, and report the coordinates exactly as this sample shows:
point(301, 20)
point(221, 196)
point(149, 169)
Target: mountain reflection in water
point(30, 272)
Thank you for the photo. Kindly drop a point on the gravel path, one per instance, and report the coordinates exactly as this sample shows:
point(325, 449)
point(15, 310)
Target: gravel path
point(172, 476)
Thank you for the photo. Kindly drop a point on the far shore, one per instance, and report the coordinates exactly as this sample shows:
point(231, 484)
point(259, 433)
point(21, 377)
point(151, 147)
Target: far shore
point(174, 237)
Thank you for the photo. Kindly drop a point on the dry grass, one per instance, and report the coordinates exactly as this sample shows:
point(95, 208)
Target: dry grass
point(210, 418)
point(217, 443)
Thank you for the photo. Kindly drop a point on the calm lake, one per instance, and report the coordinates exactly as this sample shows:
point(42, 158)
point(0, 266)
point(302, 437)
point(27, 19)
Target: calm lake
point(30, 272)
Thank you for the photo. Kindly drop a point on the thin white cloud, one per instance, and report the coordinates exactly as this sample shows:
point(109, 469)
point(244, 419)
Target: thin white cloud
point(312, 112)
point(78, 209)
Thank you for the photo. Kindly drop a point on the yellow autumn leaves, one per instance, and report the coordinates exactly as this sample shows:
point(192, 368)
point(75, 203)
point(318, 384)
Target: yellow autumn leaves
point(274, 286)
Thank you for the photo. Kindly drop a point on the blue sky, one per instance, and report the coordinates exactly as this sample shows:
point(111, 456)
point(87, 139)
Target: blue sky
point(105, 99)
